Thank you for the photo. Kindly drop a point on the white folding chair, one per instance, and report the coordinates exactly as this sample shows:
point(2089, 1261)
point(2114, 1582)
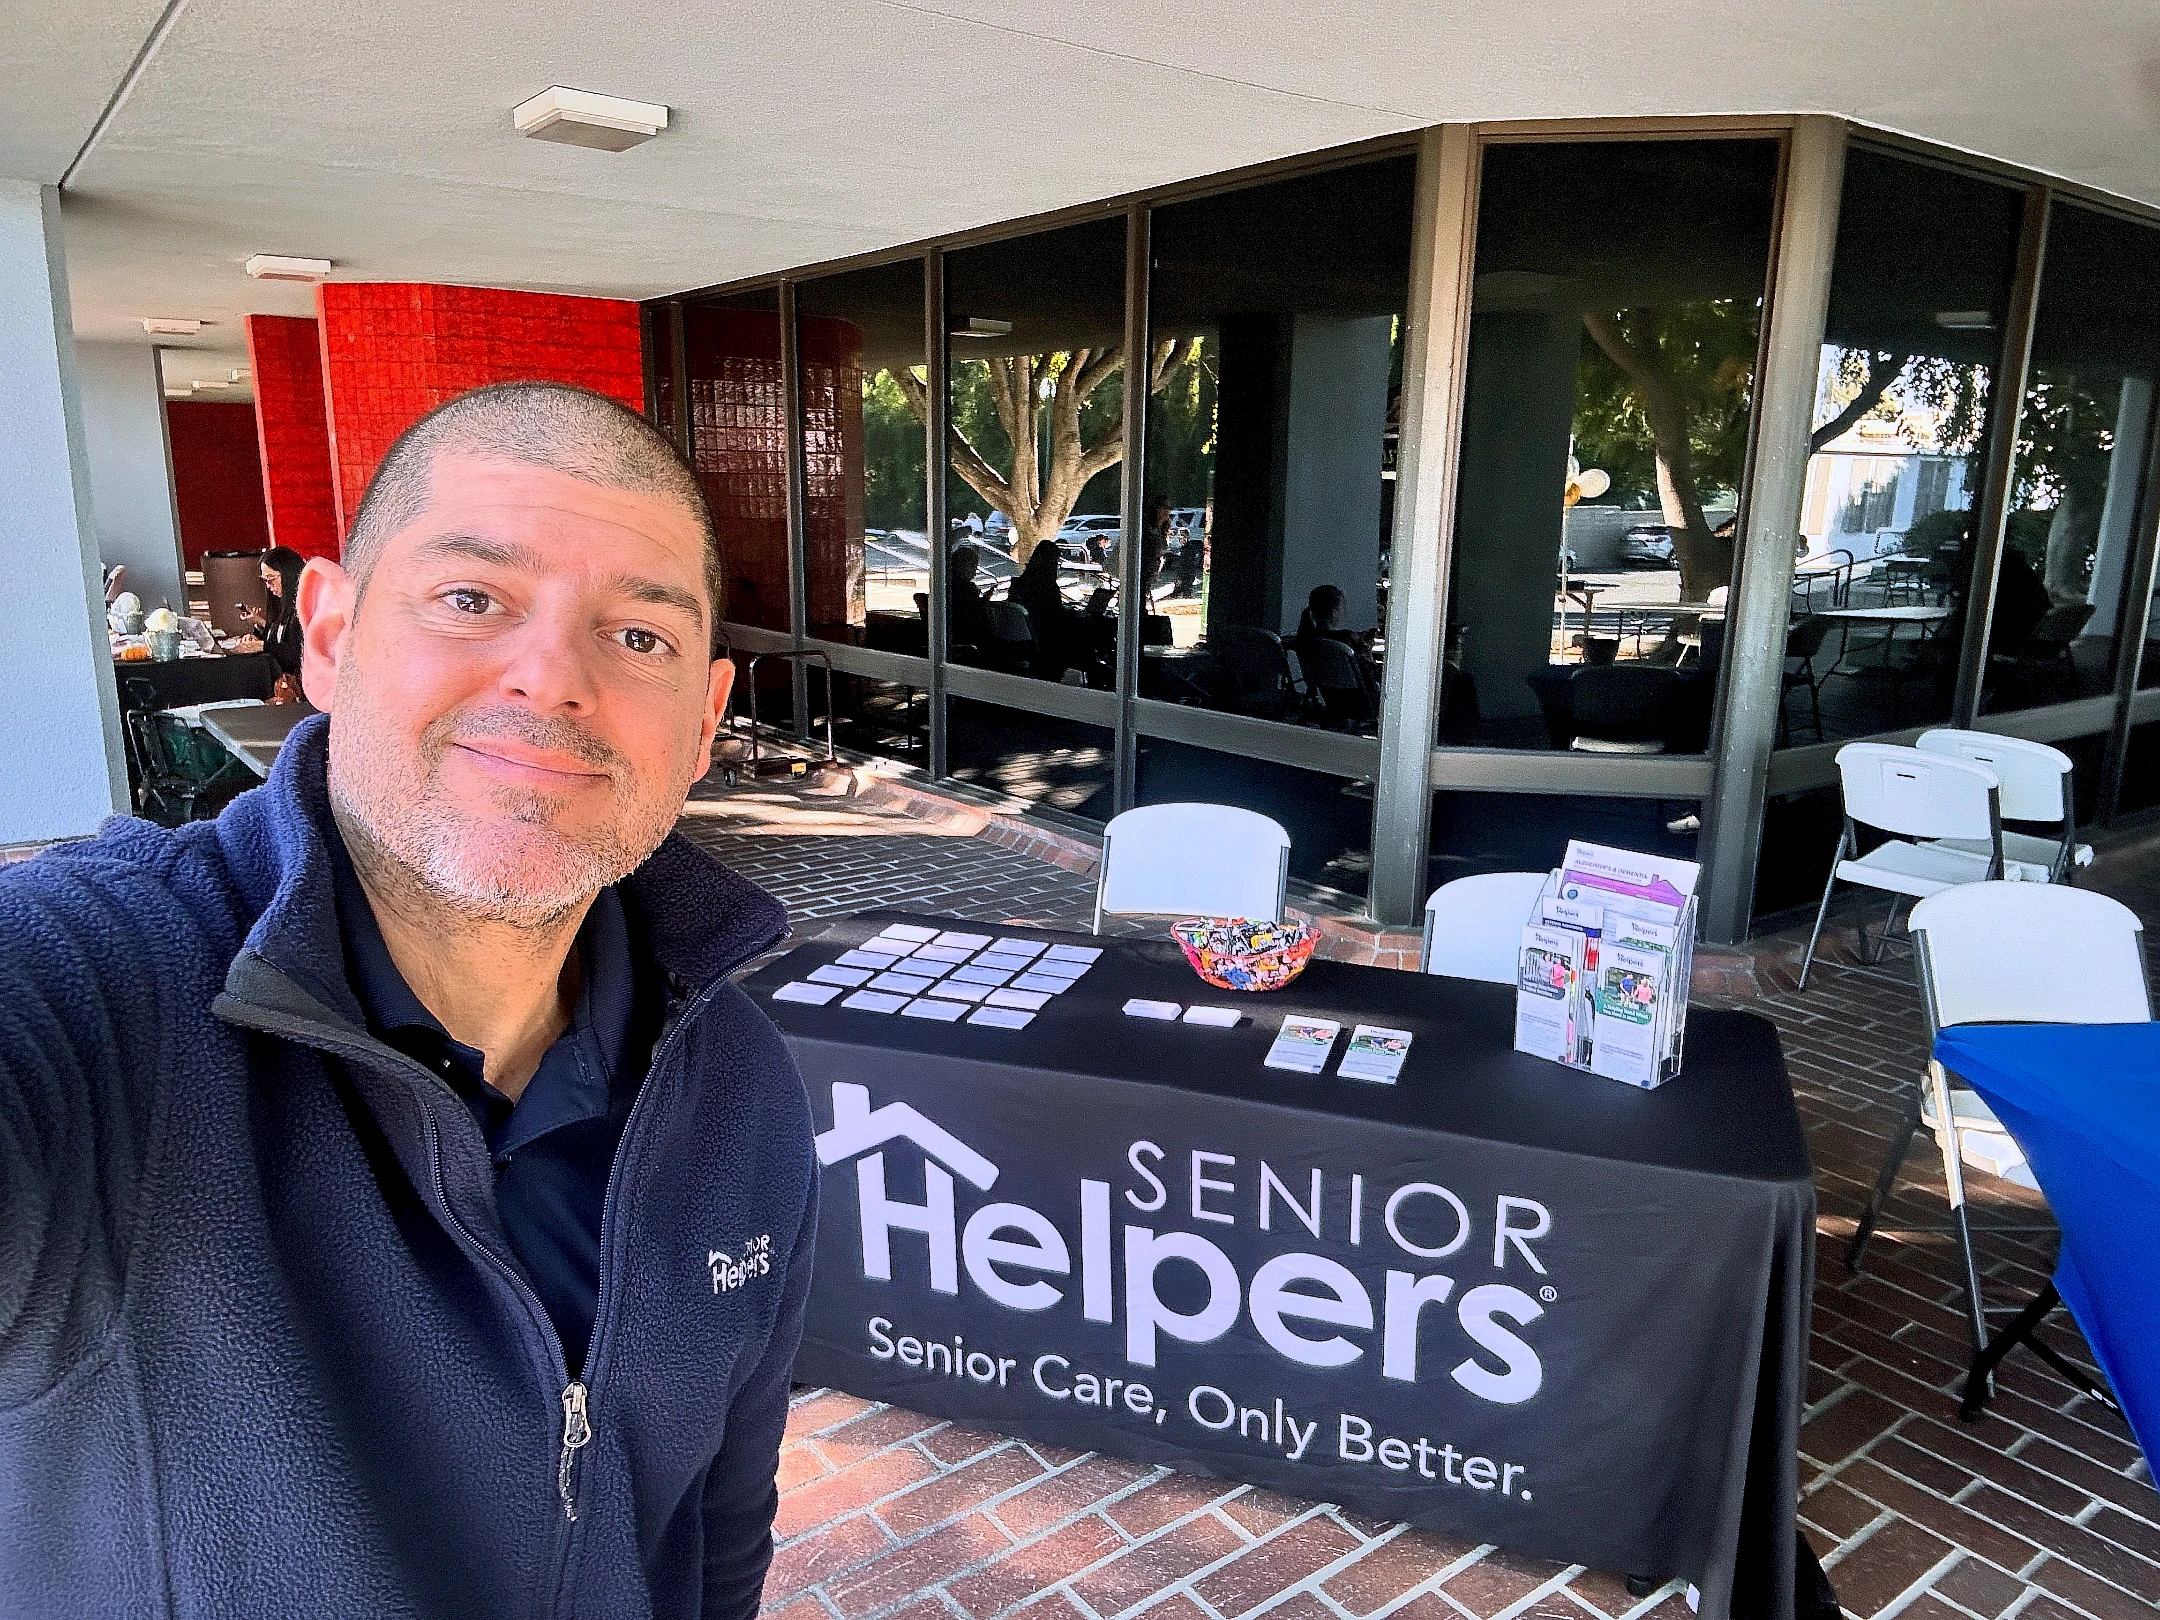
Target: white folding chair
point(1921, 798)
point(2035, 786)
point(2005, 953)
point(1192, 860)
point(1473, 926)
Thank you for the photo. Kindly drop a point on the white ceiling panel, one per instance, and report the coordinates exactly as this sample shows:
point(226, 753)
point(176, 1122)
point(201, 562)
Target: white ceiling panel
point(377, 132)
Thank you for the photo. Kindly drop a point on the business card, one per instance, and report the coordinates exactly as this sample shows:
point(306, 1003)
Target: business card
point(945, 1012)
point(876, 1001)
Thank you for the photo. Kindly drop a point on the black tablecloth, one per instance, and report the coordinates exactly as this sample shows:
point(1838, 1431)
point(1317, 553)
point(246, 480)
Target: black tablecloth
point(179, 682)
point(1541, 1308)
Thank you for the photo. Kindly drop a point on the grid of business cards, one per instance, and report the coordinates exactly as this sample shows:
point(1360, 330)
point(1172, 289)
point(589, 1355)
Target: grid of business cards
point(946, 976)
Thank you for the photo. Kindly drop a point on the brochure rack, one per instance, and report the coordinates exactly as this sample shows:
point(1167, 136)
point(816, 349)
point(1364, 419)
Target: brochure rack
point(1607, 953)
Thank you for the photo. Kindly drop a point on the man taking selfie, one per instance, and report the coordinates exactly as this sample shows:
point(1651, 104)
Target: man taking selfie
point(405, 1214)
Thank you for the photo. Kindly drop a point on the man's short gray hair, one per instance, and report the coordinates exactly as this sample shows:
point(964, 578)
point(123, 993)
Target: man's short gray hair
point(540, 424)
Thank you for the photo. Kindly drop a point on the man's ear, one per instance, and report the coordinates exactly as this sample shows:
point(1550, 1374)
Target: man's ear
point(721, 683)
point(327, 600)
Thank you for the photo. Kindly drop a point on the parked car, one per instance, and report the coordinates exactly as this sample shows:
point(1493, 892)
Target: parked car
point(1091, 537)
point(999, 528)
point(1648, 545)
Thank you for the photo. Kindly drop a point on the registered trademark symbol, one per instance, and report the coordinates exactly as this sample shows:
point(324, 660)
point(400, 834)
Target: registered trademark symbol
point(1548, 1293)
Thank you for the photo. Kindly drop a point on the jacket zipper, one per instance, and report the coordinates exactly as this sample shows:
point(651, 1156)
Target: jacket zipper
point(576, 1396)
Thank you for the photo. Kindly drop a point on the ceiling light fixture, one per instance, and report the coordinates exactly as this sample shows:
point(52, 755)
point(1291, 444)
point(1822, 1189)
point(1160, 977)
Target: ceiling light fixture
point(980, 326)
point(1965, 320)
point(170, 326)
point(581, 118)
point(241, 374)
point(177, 393)
point(277, 267)
point(213, 384)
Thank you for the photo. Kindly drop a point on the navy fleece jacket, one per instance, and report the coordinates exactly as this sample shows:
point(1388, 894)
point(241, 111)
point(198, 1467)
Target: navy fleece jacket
point(263, 1348)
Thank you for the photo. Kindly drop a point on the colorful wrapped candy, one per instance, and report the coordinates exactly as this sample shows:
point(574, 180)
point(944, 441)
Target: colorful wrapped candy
point(1239, 953)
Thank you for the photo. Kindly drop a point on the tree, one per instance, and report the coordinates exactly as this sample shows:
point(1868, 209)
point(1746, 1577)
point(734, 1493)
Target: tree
point(1683, 378)
point(1053, 444)
point(1869, 376)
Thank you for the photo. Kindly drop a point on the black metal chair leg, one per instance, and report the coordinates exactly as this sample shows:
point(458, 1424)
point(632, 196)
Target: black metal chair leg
point(2022, 1331)
point(1985, 1363)
point(1900, 1145)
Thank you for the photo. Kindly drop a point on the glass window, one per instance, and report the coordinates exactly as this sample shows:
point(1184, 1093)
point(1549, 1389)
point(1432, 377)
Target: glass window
point(1037, 395)
point(1925, 261)
point(1276, 339)
point(1529, 832)
point(2082, 437)
point(865, 551)
point(1328, 818)
point(1613, 334)
point(738, 444)
point(1051, 763)
point(874, 717)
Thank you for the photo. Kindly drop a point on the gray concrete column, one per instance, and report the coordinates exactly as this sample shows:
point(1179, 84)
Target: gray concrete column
point(65, 771)
point(131, 487)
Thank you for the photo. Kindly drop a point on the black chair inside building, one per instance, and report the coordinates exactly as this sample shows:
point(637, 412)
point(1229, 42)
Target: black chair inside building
point(1340, 693)
point(2044, 666)
point(1624, 708)
point(1803, 643)
point(1252, 673)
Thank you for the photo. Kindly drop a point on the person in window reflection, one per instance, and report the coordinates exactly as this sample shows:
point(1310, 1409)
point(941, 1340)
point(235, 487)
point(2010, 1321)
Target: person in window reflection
point(1338, 663)
point(970, 619)
point(1154, 544)
point(1192, 555)
point(1055, 620)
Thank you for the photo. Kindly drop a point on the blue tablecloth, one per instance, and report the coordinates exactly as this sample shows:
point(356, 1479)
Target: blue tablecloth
point(2083, 1101)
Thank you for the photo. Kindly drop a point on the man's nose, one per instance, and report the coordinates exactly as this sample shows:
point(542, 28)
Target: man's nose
point(550, 665)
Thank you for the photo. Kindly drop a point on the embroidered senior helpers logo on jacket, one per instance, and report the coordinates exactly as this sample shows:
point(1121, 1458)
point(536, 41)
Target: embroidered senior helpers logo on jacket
point(731, 1271)
point(1290, 1299)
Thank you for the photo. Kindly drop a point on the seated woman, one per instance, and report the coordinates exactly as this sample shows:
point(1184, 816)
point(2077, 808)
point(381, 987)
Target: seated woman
point(1341, 671)
point(1036, 589)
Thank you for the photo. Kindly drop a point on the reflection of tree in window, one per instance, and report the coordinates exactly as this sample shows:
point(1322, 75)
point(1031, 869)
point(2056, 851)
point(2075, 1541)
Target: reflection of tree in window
point(1661, 404)
point(2066, 436)
point(1030, 431)
point(892, 454)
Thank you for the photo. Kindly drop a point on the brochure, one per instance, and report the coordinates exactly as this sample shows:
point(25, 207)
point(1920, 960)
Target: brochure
point(1375, 1053)
point(1632, 989)
point(1303, 1044)
point(1548, 994)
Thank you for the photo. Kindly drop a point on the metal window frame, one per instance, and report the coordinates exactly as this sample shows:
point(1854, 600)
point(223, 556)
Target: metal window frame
point(1789, 362)
point(1421, 552)
point(2132, 625)
point(2006, 404)
point(1132, 504)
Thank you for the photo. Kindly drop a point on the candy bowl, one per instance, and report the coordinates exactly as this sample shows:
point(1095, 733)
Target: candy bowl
point(1239, 953)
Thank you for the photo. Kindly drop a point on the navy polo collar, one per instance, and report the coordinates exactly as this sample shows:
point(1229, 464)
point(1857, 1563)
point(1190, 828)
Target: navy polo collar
point(575, 1076)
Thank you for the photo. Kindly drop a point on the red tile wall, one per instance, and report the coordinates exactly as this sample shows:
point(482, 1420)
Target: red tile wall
point(738, 444)
point(292, 426)
point(392, 351)
point(830, 354)
point(217, 477)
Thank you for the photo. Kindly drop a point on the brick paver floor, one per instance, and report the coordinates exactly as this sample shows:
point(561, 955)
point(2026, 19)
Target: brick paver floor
point(2044, 1509)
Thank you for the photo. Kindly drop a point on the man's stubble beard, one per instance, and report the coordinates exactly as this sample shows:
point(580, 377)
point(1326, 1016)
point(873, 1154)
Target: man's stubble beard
point(513, 868)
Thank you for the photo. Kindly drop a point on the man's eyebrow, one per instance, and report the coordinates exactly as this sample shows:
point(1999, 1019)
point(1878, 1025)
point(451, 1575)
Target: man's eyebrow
point(638, 588)
point(503, 554)
point(509, 554)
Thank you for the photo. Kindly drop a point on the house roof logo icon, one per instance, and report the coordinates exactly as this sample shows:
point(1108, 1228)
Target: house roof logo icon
point(857, 1128)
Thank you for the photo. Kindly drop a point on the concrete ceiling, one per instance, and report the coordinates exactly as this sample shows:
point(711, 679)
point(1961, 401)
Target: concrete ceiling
point(376, 133)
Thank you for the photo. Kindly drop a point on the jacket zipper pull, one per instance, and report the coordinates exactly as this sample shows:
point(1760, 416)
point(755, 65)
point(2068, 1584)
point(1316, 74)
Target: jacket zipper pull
point(576, 1430)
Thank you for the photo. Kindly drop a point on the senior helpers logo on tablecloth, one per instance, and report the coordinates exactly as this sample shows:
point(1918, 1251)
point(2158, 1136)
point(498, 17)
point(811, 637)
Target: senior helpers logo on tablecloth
point(1437, 1295)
